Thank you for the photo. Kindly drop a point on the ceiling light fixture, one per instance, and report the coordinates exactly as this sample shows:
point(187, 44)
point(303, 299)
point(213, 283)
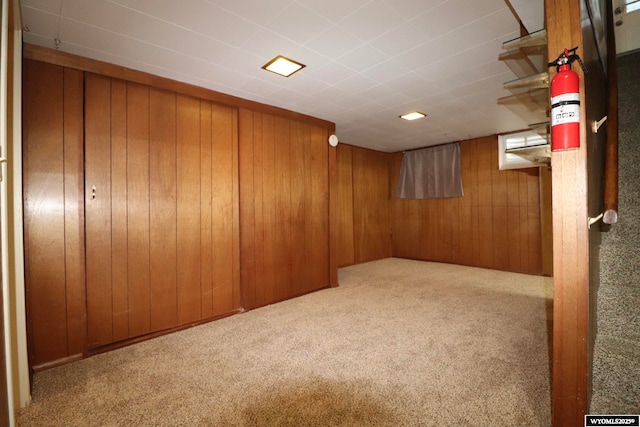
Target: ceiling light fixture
point(283, 66)
point(413, 115)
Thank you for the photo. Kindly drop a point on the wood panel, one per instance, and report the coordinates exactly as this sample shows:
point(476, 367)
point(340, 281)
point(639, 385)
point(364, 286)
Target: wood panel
point(138, 224)
point(225, 228)
point(98, 210)
point(284, 209)
point(188, 209)
point(346, 250)
point(372, 227)
point(163, 190)
point(74, 211)
point(119, 215)
point(206, 209)
point(54, 224)
point(496, 224)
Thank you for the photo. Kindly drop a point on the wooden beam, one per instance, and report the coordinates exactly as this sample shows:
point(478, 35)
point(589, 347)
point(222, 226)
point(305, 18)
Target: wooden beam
point(570, 241)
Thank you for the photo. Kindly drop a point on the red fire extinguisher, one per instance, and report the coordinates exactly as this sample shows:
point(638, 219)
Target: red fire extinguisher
point(565, 102)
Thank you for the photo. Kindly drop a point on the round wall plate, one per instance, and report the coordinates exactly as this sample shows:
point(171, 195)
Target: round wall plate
point(333, 140)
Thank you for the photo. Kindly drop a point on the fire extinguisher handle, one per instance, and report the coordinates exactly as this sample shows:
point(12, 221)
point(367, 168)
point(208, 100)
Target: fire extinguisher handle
point(567, 57)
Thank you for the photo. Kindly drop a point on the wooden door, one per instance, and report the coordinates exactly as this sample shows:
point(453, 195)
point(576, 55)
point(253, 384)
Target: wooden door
point(161, 210)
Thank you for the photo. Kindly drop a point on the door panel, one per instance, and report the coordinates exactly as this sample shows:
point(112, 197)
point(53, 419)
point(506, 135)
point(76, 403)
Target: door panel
point(98, 210)
point(162, 226)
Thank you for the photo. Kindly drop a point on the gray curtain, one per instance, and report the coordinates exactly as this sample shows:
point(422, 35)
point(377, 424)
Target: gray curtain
point(431, 172)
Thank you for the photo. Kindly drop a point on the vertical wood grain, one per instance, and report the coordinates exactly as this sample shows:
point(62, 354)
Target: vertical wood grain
point(43, 141)
point(224, 209)
point(74, 211)
point(188, 208)
point(500, 212)
point(319, 214)
point(162, 209)
point(284, 208)
point(98, 210)
point(269, 194)
point(298, 237)
point(247, 209)
point(371, 205)
point(119, 246)
point(259, 222)
point(138, 261)
point(206, 209)
point(346, 248)
point(282, 166)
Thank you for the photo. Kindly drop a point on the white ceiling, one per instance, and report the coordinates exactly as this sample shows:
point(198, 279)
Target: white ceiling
point(368, 61)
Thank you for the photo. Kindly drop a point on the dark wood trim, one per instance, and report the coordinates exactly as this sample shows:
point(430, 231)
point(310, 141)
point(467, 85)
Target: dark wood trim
point(53, 56)
point(611, 156)
point(127, 342)
point(57, 362)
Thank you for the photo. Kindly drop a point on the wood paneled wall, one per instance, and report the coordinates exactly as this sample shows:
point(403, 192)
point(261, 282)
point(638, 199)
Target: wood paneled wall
point(364, 219)
point(371, 222)
point(53, 211)
point(162, 227)
point(496, 224)
point(284, 208)
point(163, 245)
point(346, 249)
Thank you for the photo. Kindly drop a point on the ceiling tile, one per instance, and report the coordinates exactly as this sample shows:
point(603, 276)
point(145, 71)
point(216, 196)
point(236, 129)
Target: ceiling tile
point(257, 11)
point(299, 24)
point(305, 85)
point(267, 45)
point(372, 20)
point(409, 9)
point(100, 14)
point(202, 17)
point(386, 70)
point(362, 58)
point(334, 10)
point(51, 6)
point(40, 24)
point(356, 83)
point(400, 39)
point(332, 73)
point(334, 42)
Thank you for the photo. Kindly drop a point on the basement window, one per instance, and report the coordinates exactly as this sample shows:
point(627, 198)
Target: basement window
point(522, 150)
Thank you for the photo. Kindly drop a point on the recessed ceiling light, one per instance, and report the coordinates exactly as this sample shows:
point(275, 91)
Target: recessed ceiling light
point(283, 66)
point(413, 115)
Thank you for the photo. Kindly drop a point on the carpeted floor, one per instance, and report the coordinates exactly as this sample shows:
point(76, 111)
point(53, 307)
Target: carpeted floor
point(399, 343)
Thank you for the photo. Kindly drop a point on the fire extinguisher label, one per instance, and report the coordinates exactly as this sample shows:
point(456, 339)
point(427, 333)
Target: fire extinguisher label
point(565, 108)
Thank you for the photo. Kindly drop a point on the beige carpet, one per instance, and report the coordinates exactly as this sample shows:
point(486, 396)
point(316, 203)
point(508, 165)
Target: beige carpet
point(399, 343)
